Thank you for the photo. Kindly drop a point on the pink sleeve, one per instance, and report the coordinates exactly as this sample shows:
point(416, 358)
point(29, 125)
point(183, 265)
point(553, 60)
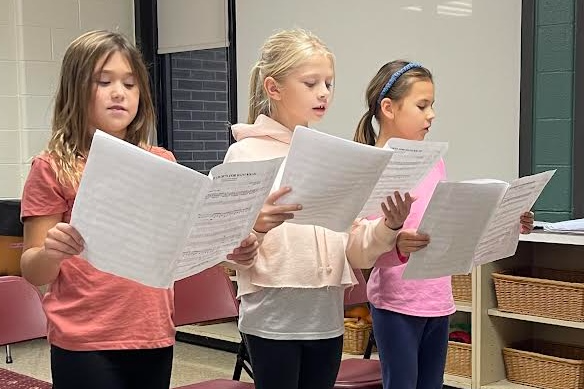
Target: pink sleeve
point(170, 156)
point(42, 194)
point(391, 258)
point(402, 258)
point(162, 152)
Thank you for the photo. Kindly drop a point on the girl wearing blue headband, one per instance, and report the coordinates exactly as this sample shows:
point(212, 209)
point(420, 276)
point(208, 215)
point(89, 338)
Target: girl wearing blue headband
point(410, 317)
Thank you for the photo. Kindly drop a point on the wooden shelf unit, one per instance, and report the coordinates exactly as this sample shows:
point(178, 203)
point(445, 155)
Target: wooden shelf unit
point(494, 329)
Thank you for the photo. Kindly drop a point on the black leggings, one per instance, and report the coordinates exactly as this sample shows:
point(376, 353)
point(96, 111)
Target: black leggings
point(294, 364)
point(111, 369)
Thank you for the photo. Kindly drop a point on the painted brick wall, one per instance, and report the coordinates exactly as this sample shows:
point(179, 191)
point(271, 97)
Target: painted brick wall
point(553, 104)
point(199, 108)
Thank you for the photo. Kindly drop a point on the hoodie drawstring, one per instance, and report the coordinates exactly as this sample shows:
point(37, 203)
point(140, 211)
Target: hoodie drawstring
point(321, 257)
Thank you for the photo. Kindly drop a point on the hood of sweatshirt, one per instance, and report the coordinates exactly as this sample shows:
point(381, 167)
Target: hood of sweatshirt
point(263, 127)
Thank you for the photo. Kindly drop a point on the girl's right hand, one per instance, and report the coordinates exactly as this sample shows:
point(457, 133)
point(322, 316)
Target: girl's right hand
point(410, 241)
point(272, 215)
point(63, 241)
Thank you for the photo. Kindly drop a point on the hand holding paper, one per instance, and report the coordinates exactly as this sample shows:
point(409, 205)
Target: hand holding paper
point(473, 222)
point(527, 222)
point(330, 177)
point(455, 219)
point(154, 221)
point(410, 240)
point(272, 214)
point(63, 241)
point(246, 252)
point(227, 213)
point(501, 237)
point(410, 163)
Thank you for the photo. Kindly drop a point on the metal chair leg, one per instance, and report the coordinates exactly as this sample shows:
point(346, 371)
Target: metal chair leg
point(369, 347)
point(242, 361)
point(8, 354)
point(239, 363)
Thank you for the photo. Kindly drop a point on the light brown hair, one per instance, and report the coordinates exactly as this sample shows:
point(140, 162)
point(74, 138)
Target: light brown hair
point(365, 133)
point(70, 139)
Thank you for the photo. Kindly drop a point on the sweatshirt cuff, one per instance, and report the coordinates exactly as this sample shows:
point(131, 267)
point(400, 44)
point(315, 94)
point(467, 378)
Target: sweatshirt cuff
point(385, 234)
point(236, 266)
point(260, 235)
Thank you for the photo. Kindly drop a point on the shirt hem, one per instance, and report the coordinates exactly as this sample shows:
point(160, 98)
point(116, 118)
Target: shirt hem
point(114, 345)
point(417, 313)
point(293, 336)
point(257, 287)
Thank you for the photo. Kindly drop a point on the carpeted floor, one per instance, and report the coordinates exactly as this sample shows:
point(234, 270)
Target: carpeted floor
point(12, 380)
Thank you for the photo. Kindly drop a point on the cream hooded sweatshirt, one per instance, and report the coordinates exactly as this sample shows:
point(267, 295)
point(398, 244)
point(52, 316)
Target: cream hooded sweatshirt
point(302, 256)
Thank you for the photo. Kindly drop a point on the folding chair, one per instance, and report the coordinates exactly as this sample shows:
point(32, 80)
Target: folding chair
point(204, 297)
point(21, 311)
point(359, 373)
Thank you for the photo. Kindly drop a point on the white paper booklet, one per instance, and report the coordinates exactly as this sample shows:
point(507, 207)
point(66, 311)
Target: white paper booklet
point(471, 223)
point(574, 226)
point(335, 178)
point(410, 164)
point(331, 177)
point(154, 221)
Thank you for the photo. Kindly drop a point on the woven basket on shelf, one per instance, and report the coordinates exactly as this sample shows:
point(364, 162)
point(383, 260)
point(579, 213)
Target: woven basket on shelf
point(459, 359)
point(228, 271)
point(356, 336)
point(462, 288)
point(545, 365)
point(557, 294)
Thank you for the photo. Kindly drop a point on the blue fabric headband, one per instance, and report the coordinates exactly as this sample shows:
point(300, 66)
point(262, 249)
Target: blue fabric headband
point(394, 77)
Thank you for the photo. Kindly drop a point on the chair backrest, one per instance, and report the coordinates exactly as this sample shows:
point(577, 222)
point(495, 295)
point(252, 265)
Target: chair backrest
point(21, 312)
point(357, 294)
point(204, 297)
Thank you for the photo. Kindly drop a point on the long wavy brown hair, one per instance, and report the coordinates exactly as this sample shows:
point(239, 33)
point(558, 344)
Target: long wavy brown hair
point(70, 139)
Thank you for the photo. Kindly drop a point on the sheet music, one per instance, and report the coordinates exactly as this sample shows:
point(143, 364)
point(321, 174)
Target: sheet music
point(330, 177)
point(227, 214)
point(574, 226)
point(455, 219)
point(131, 209)
point(502, 236)
point(411, 162)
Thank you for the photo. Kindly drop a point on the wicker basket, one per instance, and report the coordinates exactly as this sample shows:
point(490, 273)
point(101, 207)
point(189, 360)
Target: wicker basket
point(545, 365)
point(557, 294)
point(228, 271)
point(459, 359)
point(462, 288)
point(356, 337)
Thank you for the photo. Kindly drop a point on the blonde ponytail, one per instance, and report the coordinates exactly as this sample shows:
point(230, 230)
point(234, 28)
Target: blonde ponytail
point(258, 100)
point(281, 54)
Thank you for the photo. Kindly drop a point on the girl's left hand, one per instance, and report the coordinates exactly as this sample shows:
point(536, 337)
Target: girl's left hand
point(527, 220)
point(397, 212)
point(246, 252)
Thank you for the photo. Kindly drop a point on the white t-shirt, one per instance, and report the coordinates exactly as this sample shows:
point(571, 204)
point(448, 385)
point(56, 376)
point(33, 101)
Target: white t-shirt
point(293, 313)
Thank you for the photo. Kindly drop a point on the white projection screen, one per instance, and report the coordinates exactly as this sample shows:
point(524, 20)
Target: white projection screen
point(473, 48)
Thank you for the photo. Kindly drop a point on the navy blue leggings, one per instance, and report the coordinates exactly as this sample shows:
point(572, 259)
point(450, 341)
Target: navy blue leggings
point(412, 349)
